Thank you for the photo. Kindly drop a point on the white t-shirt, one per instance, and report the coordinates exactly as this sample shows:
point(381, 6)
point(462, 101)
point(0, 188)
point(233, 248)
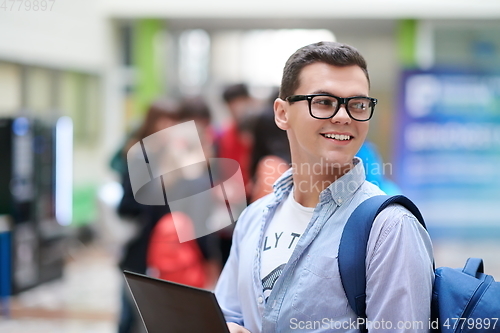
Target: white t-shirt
point(282, 234)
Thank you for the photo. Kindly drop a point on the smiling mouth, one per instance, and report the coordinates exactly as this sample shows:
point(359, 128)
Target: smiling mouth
point(339, 137)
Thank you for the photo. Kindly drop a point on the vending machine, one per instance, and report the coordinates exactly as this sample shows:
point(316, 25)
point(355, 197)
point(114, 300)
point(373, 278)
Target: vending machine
point(29, 179)
point(17, 199)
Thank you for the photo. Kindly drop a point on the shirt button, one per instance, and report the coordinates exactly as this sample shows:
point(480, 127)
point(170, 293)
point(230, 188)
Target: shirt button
point(339, 200)
point(260, 300)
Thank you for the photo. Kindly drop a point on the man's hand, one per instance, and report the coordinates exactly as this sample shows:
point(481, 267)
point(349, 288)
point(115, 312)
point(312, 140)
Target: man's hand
point(235, 328)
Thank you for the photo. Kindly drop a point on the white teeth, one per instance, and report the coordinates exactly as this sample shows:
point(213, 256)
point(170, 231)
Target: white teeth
point(339, 137)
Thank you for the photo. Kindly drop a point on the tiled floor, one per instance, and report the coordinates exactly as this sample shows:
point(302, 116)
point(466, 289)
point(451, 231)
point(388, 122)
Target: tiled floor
point(86, 299)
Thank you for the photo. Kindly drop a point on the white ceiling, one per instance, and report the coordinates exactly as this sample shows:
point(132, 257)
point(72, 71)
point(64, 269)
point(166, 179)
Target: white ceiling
point(295, 9)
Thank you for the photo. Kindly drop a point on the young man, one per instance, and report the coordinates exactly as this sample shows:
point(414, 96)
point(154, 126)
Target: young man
point(282, 274)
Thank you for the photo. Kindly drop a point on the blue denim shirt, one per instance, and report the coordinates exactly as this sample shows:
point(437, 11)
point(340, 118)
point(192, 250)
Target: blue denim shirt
point(308, 296)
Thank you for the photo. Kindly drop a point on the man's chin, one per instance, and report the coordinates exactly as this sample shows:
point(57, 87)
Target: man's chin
point(338, 162)
point(324, 167)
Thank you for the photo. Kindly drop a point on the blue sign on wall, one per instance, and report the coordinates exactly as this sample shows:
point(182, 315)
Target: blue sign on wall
point(448, 146)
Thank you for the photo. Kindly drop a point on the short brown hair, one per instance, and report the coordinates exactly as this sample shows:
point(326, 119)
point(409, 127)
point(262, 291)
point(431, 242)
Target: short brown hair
point(235, 91)
point(331, 53)
point(194, 108)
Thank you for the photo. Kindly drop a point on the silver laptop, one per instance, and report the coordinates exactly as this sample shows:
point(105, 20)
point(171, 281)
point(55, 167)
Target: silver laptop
point(167, 307)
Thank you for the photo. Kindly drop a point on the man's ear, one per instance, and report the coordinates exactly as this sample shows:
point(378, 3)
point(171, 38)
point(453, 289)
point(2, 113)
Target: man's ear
point(281, 113)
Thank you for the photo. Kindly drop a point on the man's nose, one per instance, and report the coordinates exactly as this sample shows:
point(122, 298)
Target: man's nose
point(341, 116)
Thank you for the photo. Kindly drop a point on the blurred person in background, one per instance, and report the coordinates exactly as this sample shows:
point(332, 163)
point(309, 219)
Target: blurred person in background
point(235, 139)
point(271, 151)
point(161, 114)
point(375, 168)
point(185, 184)
point(235, 142)
point(156, 250)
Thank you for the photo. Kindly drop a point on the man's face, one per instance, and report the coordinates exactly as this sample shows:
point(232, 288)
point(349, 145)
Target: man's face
point(308, 136)
point(239, 107)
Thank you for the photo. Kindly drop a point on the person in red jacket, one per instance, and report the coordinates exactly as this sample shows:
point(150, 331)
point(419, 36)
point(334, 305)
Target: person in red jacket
point(235, 142)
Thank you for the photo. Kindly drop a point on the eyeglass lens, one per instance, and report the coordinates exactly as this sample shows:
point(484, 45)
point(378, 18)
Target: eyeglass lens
point(325, 106)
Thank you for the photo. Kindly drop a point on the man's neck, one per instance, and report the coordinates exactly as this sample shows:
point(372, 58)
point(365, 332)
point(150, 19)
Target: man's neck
point(308, 185)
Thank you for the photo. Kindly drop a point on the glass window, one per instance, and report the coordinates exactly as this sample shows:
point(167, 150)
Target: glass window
point(10, 89)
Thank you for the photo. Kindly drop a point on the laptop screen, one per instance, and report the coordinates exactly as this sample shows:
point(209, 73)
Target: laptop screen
point(168, 307)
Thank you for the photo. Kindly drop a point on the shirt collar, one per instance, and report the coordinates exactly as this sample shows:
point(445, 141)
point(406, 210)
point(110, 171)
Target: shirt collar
point(283, 184)
point(344, 188)
point(340, 190)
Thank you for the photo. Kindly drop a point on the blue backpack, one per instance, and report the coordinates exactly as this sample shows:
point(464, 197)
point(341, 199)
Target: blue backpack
point(463, 300)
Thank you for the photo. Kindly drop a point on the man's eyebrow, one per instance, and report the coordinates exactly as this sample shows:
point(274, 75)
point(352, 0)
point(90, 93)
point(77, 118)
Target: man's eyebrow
point(322, 92)
point(329, 93)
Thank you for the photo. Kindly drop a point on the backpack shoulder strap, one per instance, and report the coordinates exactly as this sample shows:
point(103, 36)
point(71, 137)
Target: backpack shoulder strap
point(352, 249)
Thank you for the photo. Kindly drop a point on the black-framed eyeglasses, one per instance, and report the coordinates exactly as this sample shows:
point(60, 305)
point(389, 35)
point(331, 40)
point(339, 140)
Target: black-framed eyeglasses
point(326, 106)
